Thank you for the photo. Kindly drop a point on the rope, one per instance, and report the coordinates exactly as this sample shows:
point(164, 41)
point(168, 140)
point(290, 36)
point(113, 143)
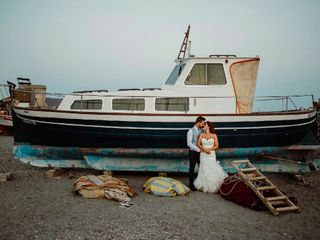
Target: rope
point(227, 181)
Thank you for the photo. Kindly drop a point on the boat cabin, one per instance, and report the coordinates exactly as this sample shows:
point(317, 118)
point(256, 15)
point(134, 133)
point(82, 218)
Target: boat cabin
point(217, 84)
point(199, 85)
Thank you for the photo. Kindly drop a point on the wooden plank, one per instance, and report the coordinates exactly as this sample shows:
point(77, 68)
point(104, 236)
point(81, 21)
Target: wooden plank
point(257, 178)
point(300, 179)
point(162, 174)
point(290, 208)
point(6, 176)
point(268, 199)
point(55, 172)
point(265, 188)
point(240, 161)
point(248, 169)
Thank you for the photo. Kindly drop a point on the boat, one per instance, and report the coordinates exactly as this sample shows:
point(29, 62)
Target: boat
point(6, 125)
point(145, 129)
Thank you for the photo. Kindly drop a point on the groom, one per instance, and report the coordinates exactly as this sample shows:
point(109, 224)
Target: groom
point(194, 151)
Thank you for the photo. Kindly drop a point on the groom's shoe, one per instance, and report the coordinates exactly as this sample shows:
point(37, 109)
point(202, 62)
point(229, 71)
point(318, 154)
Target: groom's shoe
point(192, 188)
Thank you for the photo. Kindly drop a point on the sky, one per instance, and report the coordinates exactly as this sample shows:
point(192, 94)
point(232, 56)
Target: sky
point(72, 45)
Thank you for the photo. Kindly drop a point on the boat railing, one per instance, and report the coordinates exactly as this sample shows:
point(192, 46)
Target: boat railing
point(4, 91)
point(5, 100)
point(259, 104)
point(283, 103)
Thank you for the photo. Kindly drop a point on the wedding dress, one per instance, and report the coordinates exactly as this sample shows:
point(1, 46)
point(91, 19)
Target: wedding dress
point(210, 173)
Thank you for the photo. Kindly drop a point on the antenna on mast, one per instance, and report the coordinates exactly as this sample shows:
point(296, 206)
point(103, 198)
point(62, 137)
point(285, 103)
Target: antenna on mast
point(184, 45)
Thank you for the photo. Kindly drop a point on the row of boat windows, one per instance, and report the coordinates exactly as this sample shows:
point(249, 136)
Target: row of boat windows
point(200, 74)
point(137, 104)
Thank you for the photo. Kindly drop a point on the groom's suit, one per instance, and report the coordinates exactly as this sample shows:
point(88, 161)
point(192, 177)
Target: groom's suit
point(194, 152)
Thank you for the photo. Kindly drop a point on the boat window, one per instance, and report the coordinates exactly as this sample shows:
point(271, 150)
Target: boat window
point(175, 74)
point(215, 74)
point(87, 104)
point(128, 104)
point(206, 74)
point(197, 76)
point(172, 104)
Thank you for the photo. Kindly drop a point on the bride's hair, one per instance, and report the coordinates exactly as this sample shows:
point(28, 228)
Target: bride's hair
point(211, 127)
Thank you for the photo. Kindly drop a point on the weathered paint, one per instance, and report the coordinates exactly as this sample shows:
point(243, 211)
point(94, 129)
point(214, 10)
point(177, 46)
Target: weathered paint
point(316, 164)
point(50, 156)
point(162, 153)
point(267, 159)
point(179, 165)
point(137, 164)
point(55, 163)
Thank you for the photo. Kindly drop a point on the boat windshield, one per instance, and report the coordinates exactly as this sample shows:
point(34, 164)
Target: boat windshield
point(175, 74)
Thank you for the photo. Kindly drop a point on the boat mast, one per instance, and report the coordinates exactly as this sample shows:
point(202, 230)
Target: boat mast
point(184, 45)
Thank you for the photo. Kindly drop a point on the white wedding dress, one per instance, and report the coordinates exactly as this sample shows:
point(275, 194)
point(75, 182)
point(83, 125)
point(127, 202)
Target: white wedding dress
point(210, 173)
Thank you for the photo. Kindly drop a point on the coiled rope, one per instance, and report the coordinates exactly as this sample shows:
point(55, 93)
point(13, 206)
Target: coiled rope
point(235, 178)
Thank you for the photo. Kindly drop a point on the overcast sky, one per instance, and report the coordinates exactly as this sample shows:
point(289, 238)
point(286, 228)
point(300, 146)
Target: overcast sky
point(76, 45)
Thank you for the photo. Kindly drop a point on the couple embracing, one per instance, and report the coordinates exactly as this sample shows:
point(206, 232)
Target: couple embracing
point(202, 142)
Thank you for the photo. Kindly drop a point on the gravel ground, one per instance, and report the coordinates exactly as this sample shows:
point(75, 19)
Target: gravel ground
point(33, 206)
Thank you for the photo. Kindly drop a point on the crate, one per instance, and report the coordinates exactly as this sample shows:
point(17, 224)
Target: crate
point(33, 94)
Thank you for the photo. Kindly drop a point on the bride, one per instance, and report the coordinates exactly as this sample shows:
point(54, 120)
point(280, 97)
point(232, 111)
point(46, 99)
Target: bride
point(210, 174)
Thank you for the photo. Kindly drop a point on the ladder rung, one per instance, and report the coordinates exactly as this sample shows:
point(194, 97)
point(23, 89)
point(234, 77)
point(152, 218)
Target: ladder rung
point(248, 169)
point(268, 199)
point(290, 208)
point(240, 161)
point(266, 188)
point(257, 178)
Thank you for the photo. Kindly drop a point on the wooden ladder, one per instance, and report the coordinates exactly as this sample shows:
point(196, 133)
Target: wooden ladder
point(277, 201)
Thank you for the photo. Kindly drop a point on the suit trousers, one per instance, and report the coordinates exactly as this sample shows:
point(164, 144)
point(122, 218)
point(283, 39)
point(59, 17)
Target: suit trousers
point(194, 158)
